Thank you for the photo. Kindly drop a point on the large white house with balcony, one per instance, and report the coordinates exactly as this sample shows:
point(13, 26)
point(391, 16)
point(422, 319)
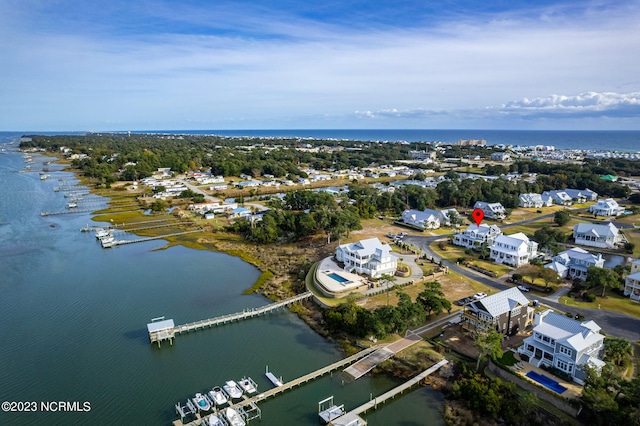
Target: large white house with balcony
point(534, 200)
point(370, 257)
point(632, 282)
point(608, 207)
point(476, 236)
point(564, 343)
point(425, 219)
point(515, 250)
point(592, 235)
point(574, 263)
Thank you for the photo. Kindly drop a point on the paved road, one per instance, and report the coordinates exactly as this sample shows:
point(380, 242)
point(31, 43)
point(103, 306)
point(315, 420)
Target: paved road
point(614, 323)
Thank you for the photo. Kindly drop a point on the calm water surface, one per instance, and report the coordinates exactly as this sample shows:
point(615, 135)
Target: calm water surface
point(74, 317)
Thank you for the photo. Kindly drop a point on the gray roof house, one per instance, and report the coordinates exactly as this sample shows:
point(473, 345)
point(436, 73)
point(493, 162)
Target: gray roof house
point(559, 197)
point(507, 311)
point(574, 263)
point(592, 235)
point(564, 343)
point(491, 210)
point(582, 195)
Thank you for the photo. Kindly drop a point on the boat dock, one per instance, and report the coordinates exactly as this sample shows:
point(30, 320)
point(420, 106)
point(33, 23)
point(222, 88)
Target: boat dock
point(352, 418)
point(250, 313)
point(288, 385)
point(272, 378)
point(169, 332)
point(142, 240)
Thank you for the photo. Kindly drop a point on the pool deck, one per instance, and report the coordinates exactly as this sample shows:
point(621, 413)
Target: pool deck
point(574, 390)
point(327, 267)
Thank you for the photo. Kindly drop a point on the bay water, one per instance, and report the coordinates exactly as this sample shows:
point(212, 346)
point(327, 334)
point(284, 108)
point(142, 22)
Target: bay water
point(73, 325)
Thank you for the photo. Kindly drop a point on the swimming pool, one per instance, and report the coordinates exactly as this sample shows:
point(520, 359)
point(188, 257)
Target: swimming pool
point(546, 381)
point(338, 278)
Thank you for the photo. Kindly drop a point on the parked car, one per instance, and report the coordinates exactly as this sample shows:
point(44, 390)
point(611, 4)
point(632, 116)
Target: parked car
point(523, 288)
point(390, 235)
point(480, 295)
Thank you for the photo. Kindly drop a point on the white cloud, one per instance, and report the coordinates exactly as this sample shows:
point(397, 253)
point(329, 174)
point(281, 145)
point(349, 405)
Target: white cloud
point(292, 70)
point(606, 104)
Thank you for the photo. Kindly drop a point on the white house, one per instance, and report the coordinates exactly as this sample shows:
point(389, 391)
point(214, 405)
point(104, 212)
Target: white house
point(574, 263)
point(370, 257)
point(427, 219)
point(534, 200)
point(603, 236)
point(608, 207)
point(632, 282)
point(515, 250)
point(559, 197)
point(475, 236)
point(564, 343)
point(491, 210)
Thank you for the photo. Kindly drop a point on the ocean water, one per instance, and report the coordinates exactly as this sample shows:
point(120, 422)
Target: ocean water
point(74, 318)
point(585, 140)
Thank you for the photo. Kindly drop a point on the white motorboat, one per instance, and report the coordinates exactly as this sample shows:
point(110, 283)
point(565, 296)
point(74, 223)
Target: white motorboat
point(72, 205)
point(232, 389)
point(217, 396)
point(248, 385)
point(102, 233)
point(201, 402)
point(215, 421)
point(234, 417)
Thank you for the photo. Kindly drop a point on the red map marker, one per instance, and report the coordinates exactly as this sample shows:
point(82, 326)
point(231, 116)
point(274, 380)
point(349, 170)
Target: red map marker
point(478, 215)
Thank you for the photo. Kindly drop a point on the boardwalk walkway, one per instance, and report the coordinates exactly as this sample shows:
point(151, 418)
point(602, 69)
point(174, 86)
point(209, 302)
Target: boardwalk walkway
point(352, 417)
point(211, 322)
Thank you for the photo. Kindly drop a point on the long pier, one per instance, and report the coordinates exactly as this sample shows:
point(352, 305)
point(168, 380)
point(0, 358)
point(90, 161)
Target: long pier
point(289, 385)
point(250, 313)
point(142, 240)
point(353, 416)
point(168, 331)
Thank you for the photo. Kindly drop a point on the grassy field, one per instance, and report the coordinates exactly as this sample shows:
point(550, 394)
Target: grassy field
point(453, 253)
point(612, 302)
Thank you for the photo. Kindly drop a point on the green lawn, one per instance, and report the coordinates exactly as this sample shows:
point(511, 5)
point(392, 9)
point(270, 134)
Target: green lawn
point(453, 253)
point(612, 302)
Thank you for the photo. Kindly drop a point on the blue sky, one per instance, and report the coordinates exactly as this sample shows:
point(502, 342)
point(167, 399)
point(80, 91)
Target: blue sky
point(149, 64)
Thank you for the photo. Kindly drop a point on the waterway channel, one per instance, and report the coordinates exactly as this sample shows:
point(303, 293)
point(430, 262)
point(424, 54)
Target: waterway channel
point(74, 321)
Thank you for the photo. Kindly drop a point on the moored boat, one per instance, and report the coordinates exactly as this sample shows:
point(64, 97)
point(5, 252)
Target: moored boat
point(201, 402)
point(215, 421)
point(102, 233)
point(248, 385)
point(234, 417)
point(232, 389)
point(218, 396)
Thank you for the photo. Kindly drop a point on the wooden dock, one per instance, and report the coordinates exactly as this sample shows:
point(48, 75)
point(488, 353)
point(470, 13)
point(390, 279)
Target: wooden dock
point(289, 385)
point(353, 416)
point(142, 240)
point(250, 313)
point(169, 332)
point(367, 364)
